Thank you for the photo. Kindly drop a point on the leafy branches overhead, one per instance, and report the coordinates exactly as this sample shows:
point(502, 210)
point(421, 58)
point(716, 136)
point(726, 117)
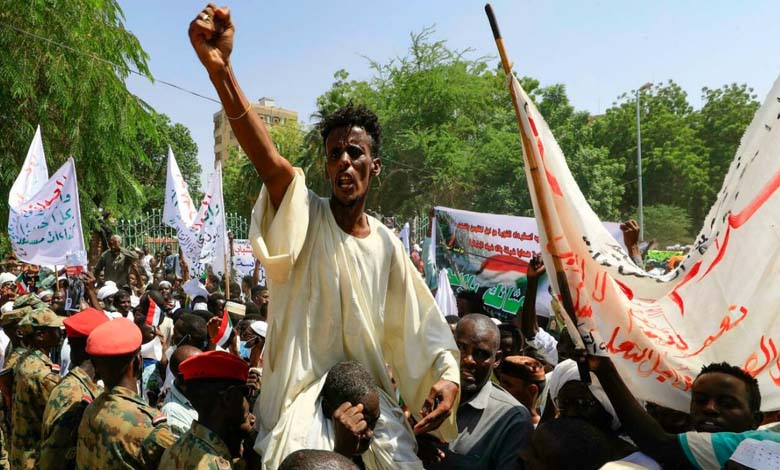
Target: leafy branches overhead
point(81, 102)
point(450, 138)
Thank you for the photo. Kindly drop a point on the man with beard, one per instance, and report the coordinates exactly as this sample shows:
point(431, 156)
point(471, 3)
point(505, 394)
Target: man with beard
point(116, 262)
point(344, 288)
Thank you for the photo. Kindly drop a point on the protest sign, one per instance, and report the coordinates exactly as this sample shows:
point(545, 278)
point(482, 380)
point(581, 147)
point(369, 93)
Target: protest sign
point(489, 253)
point(718, 305)
point(244, 260)
point(45, 228)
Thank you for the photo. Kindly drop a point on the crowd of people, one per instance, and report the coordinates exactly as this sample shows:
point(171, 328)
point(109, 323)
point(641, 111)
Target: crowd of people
point(340, 360)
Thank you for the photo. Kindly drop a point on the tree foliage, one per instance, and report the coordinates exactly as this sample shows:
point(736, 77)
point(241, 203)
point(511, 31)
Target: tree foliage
point(450, 135)
point(79, 100)
point(155, 147)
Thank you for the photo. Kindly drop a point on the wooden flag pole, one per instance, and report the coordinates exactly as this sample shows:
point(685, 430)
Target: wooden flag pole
point(544, 211)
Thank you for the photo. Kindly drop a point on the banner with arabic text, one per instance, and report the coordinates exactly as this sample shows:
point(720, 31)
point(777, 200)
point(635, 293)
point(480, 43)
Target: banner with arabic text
point(489, 253)
point(719, 304)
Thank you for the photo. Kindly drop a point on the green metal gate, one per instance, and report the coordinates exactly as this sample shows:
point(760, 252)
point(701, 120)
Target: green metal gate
point(150, 231)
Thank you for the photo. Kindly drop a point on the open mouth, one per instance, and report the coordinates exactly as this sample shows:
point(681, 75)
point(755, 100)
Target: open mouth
point(345, 182)
point(709, 426)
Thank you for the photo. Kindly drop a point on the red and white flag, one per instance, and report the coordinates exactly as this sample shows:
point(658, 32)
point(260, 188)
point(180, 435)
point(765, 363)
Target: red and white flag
point(225, 328)
point(720, 304)
point(153, 313)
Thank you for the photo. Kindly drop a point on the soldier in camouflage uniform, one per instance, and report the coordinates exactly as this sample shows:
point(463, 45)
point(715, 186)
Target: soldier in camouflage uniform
point(10, 323)
point(70, 398)
point(216, 386)
point(35, 377)
point(118, 430)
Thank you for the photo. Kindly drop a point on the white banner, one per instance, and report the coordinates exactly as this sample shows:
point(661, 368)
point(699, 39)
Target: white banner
point(720, 304)
point(201, 234)
point(45, 229)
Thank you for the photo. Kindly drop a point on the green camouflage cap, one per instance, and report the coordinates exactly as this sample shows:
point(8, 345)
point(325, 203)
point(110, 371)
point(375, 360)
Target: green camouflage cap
point(14, 315)
point(41, 318)
point(29, 300)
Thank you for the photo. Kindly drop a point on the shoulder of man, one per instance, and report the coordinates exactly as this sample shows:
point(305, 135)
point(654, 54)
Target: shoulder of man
point(156, 443)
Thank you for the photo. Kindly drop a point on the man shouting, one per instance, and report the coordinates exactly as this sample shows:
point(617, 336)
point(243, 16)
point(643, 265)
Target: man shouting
point(343, 286)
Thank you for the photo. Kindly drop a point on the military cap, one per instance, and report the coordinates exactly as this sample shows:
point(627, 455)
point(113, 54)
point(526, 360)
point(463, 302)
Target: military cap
point(81, 324)
point(14, 315)
point(114, 338)
point(214, 365)
point(29, 300)
point(40, 318)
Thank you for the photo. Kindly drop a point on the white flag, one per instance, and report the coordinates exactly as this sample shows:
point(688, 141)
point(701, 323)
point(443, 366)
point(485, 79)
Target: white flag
point(34, 173)
point(445, 298)
point(404, 236)
point(178, 203)
point(46, 228)
point(720, 304)
point(201, 233)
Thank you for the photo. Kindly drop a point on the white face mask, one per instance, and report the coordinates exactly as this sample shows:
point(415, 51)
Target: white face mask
point(152, 349)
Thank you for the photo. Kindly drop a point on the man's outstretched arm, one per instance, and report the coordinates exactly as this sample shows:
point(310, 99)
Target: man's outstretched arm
point(637, 422)
point(211, 34)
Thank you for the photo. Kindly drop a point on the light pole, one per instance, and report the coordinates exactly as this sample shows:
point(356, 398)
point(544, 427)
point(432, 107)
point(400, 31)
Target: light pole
point(639, 161)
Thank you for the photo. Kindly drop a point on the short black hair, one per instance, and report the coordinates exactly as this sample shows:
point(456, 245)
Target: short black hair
point(754, 393)
point(310, 459)
point(201, 392)
point(353, 116)
point(258, 289)
point(473, 298)
point(347, 381)
point(195, 326)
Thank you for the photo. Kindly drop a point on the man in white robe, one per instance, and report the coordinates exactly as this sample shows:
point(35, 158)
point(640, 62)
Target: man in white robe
point(343, 286)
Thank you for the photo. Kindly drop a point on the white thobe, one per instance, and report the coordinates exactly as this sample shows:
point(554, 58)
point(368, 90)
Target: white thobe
point(335, 298)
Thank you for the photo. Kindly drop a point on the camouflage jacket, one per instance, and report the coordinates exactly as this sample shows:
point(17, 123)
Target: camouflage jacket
point(199, 448)
point(34, 378)
point(118, 430)
point(61, 419)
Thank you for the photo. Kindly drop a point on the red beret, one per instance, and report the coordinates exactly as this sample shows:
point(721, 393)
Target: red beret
point(114, 338)
point(81, 324)
point(214, 365)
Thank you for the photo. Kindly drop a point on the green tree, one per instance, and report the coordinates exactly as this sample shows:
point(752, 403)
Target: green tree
point(80, 101)
point(673, 154)
point(240, 183)
point(155, 146)
point(667, 225)
point(721, 122)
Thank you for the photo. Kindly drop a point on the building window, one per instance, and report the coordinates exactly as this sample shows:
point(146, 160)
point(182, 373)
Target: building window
point(218, 139)
point(232, 136)
point(218, 155)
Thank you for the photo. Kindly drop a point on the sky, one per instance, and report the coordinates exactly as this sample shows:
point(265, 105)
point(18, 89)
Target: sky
point(289, 50)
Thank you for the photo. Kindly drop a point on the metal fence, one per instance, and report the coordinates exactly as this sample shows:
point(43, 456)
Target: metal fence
point(150, 231)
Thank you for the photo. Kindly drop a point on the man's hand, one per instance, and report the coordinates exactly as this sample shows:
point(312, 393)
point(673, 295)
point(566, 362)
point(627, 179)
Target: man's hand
point(350, 427)
point(428, 449)
point(88, 279)
point(437, 407)
point(630, 231)
point(213, 327)
point(211, 34)
point(535, 268)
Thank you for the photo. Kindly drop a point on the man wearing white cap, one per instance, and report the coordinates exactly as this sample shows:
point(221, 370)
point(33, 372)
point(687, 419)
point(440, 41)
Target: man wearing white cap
point(106, 296)
point(8, 289)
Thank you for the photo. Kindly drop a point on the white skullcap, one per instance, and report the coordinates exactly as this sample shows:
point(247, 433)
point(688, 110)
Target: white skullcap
point(259, 327)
